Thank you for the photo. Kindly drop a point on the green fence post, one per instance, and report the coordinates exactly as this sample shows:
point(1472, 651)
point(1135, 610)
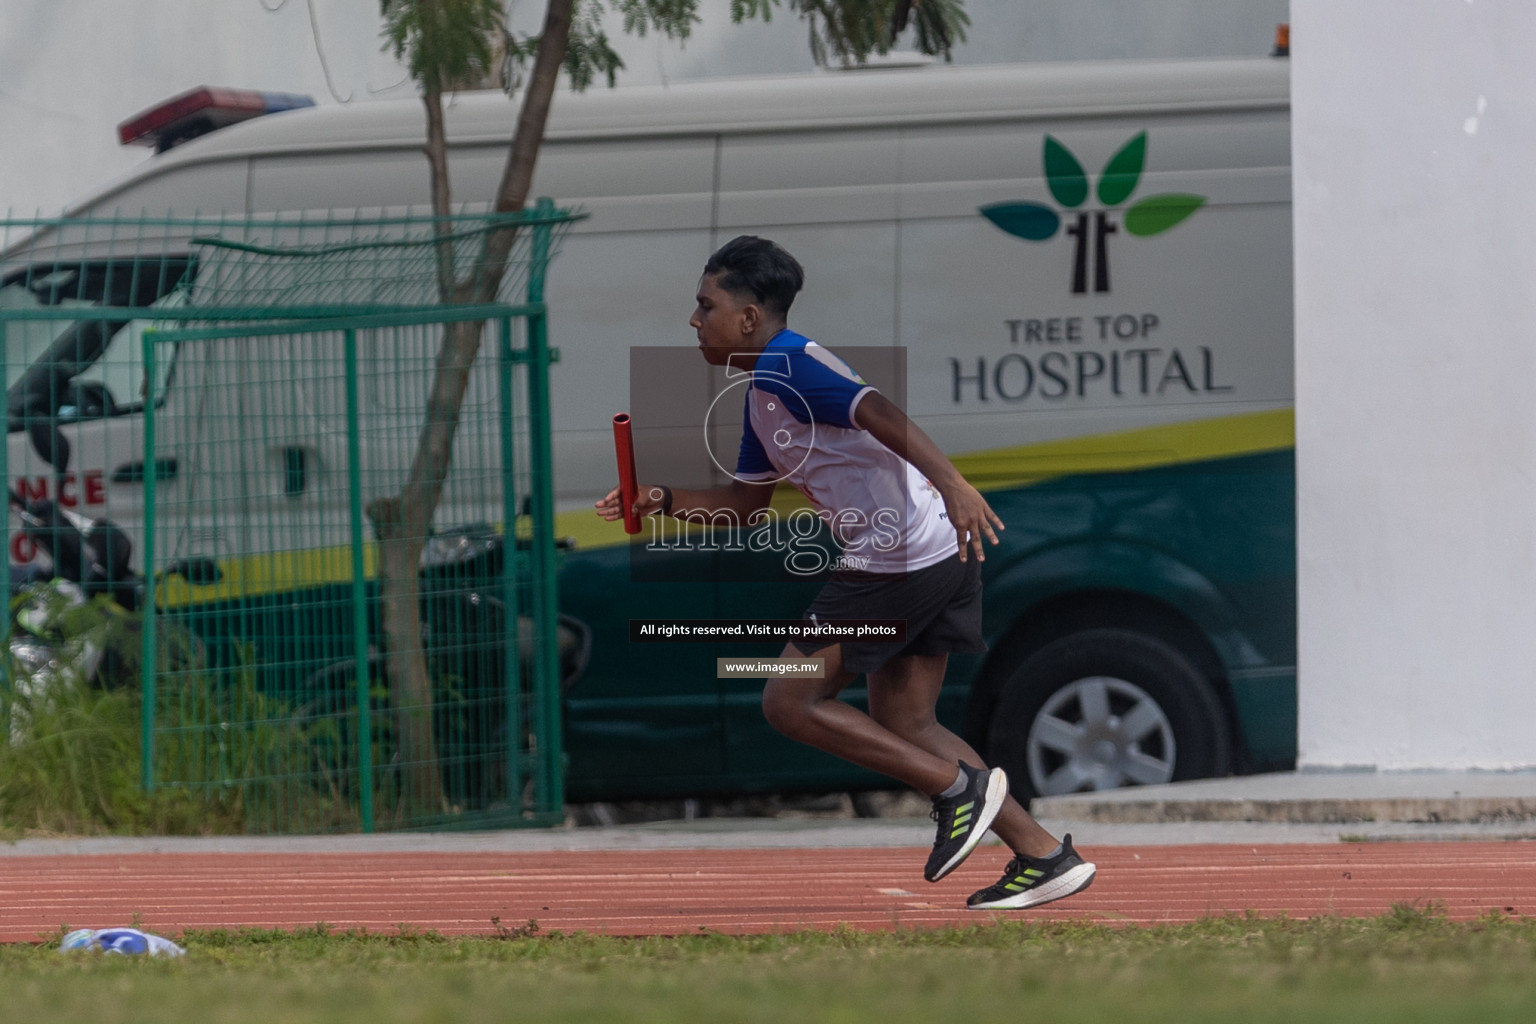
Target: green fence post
point(151, 615)
point(511, 654)
point(550, 781)
point(359, 587)
point(538, 252)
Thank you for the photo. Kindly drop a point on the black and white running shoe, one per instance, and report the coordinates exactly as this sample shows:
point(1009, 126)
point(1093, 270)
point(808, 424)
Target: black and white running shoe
point(1031, 881)
point(964, 819)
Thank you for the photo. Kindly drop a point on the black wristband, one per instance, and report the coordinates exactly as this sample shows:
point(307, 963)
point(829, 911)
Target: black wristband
point(666, 499)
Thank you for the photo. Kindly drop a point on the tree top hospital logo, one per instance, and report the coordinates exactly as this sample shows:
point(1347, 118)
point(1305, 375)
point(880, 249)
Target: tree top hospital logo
point(1036, 222)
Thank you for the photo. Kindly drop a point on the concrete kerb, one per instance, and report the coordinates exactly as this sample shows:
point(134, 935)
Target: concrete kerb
point(1342, 798)
point(1290, 807)
point(759, 834)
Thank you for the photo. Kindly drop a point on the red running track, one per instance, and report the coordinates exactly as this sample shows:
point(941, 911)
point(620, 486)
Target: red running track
point(735, 891)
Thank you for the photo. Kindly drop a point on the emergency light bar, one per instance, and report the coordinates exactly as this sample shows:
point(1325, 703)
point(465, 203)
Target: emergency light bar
point(200, 111)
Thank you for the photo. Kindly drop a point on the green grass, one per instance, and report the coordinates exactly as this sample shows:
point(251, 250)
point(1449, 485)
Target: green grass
point(228, 759)
point(1407, 966)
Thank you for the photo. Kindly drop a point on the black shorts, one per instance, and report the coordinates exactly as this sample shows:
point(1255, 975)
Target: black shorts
point(941, 605)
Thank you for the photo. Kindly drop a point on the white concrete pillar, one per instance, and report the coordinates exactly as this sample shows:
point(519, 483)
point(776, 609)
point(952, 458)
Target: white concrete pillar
point(1414, 138)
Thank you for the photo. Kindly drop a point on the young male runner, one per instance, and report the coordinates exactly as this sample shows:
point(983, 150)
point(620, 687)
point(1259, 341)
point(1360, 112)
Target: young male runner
point(895, 500)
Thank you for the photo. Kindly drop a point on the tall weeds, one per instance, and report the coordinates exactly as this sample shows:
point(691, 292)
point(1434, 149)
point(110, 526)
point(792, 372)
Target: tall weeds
point(227, 759)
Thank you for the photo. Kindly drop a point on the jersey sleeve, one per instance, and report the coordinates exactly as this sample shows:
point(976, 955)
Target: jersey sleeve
point(816, 386)
point(752, 463)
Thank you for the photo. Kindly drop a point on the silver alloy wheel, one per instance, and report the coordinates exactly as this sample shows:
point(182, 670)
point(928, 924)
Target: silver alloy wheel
point(1099, 732)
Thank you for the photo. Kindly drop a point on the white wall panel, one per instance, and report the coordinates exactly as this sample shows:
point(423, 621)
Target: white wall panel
point(1414, 135)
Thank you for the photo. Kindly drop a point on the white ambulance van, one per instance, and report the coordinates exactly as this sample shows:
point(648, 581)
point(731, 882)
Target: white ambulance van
point(1087, 268)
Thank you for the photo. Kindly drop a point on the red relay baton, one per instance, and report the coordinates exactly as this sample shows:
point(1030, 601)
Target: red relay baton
point(624, 446)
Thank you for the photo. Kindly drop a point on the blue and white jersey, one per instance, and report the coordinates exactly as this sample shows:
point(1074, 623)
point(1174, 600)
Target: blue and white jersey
point(799, 427)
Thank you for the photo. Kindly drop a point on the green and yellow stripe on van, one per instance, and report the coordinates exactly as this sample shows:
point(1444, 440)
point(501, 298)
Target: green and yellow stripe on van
point(998, 469)
point(1002, 469)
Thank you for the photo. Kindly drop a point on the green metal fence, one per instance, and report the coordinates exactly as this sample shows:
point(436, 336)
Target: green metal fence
point(245, 401)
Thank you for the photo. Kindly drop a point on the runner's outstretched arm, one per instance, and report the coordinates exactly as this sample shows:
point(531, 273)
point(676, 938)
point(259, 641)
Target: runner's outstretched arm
point(969, 512)
point(738, 496)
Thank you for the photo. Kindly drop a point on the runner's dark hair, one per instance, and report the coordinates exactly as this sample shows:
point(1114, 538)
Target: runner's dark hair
point(757, 267)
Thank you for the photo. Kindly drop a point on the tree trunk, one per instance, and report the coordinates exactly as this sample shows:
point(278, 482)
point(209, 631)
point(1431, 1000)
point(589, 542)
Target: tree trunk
point(403, 522)
point(517, 175)
point(442, 193)
point(410, 686)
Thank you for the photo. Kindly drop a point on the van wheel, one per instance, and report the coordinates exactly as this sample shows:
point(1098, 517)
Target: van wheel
point(1106, 708)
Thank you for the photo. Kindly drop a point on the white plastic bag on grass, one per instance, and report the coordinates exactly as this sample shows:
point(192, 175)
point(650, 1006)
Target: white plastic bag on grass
point(122, 941)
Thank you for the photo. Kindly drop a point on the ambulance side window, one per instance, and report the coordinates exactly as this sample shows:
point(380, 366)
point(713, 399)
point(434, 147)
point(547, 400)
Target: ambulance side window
point(118, 373)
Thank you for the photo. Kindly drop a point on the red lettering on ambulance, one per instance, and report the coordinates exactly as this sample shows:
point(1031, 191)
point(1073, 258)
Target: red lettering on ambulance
point(35, 489)
point(22, 549)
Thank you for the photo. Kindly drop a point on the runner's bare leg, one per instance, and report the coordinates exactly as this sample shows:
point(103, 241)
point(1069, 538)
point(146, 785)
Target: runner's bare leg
point(807, 710)
point(903, 694)
point(901, 738)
